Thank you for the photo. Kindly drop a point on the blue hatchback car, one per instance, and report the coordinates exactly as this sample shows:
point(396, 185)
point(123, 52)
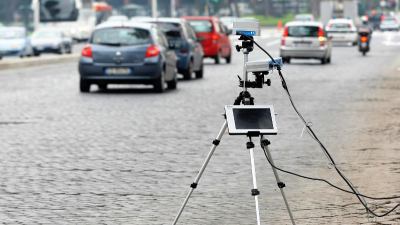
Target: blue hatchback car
point(182, 38)
point(128, 53)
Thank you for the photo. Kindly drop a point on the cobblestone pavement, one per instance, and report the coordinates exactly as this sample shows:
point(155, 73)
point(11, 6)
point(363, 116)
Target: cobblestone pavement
point(127, 155)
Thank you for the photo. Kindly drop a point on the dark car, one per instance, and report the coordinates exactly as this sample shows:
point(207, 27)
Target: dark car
point(182, 38)
point(127, 53)
point(214, 37)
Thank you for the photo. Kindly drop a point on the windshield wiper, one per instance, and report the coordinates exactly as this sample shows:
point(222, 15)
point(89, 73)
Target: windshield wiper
point(109, 44)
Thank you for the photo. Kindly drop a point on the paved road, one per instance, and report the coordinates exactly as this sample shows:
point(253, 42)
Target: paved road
point(127, 156)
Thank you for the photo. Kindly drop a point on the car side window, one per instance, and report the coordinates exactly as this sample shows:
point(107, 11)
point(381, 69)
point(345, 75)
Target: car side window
point(216, 27)
point(162, 40)
point(221, 28)
point(191, 33)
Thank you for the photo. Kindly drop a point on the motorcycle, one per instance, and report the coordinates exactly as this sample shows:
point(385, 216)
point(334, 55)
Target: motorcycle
point(363, 42)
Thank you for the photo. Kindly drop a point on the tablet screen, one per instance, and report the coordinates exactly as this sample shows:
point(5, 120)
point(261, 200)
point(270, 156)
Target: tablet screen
point(253, 119)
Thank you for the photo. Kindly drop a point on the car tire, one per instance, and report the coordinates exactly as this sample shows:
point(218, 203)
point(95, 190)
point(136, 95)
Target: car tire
point(102, 87)
point(36, 53)
point(328, 60)
point(217, 58)
point(84, 86)
point(159, 84)
point(200, 72)
point(286, 60)
point(323, 61)
point(187, 75)
point(173, 83)
point(61, 50)
point(229, 58)
point(69, 51)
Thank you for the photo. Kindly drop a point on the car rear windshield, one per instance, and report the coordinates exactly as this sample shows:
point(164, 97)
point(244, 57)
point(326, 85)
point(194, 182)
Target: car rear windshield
point(201, 26)
point(341, 26)
point(121, 36)
point(171, 30)
point(303, 31)
point(11, 33)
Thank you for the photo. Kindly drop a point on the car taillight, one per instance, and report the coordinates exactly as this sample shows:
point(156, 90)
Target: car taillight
point(215, 37)
point(364, 39)
point(283, 41)
point(321, 36)
point(285, 34)
point(152, 51)
point(87, 51)
point(321, 32)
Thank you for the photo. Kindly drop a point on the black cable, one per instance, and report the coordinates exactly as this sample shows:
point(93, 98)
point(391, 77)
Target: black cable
point(322, 180)
point(312, 133)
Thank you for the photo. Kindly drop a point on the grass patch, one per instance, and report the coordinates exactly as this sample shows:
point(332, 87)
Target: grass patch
point(273, 21)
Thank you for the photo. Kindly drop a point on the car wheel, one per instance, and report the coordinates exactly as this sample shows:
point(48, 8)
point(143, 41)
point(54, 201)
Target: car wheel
point(200, 72)
point(286, 60)
point(69, 51)
point(187, 75)
point(217, 58)
point(323, 61)
point(159, 84)
point(173, 83)
point(229, 58)
point(36, 53)
point(328, 60)
point(84, 86)
point(61, 50)
point(102, 87)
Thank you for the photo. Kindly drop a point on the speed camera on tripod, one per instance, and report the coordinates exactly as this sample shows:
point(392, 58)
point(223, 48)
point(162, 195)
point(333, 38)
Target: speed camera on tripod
point(251, 120)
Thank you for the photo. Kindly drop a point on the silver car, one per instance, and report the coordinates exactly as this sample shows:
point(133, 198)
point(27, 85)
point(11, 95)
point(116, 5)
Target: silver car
point(305, 40)
point(342, 31)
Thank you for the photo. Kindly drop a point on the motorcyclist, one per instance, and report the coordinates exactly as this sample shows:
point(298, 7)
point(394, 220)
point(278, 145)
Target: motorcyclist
point(365, 27)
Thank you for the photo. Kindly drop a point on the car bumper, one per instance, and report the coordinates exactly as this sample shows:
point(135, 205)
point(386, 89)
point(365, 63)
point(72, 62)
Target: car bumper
point(304, 53)
point(46, 49)
point(139, 74)
point(183, 62)
point(11, 52)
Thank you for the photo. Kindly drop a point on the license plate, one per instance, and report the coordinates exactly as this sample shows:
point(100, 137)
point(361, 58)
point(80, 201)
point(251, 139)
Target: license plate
point(118, 71)
point(364, 45)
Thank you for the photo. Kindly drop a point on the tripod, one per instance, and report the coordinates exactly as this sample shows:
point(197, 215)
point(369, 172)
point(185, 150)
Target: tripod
point(246, 99)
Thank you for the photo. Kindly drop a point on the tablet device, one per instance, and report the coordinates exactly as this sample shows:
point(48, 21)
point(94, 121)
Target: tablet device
point(251, 120)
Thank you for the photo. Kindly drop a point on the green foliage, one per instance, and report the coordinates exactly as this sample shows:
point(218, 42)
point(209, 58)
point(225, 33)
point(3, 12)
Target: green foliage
point(273, 21)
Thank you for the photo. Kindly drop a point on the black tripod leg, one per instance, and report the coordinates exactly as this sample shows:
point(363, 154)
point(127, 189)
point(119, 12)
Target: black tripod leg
point(265, 146)
point(203, 167)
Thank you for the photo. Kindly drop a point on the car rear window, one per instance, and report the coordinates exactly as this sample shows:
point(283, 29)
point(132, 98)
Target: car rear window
point(171, 30)
point(201, 26)
point(11, 33)
point(303, 31)
point(340, 26)
point(121, 36)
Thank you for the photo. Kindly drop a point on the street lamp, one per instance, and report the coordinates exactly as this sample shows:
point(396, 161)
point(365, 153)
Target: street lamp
point(154, 8)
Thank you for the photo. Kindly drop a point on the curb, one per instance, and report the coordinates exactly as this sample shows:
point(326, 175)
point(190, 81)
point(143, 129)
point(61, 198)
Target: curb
point(31, 62)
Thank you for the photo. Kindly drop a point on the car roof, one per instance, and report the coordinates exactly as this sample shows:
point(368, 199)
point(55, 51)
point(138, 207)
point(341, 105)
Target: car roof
point(304, 23)
point(132, 24)
point(159, 19)
point(200, 17)
point(12, 28)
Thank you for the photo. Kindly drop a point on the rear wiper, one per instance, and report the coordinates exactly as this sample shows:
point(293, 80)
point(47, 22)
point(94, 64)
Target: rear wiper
point(109, 44)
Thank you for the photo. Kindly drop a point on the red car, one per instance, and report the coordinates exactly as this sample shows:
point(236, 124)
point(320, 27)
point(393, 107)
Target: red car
point(213, 36)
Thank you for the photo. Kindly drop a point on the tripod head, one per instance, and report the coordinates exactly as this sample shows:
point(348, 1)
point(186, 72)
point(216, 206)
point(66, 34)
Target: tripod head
point(247, 44)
